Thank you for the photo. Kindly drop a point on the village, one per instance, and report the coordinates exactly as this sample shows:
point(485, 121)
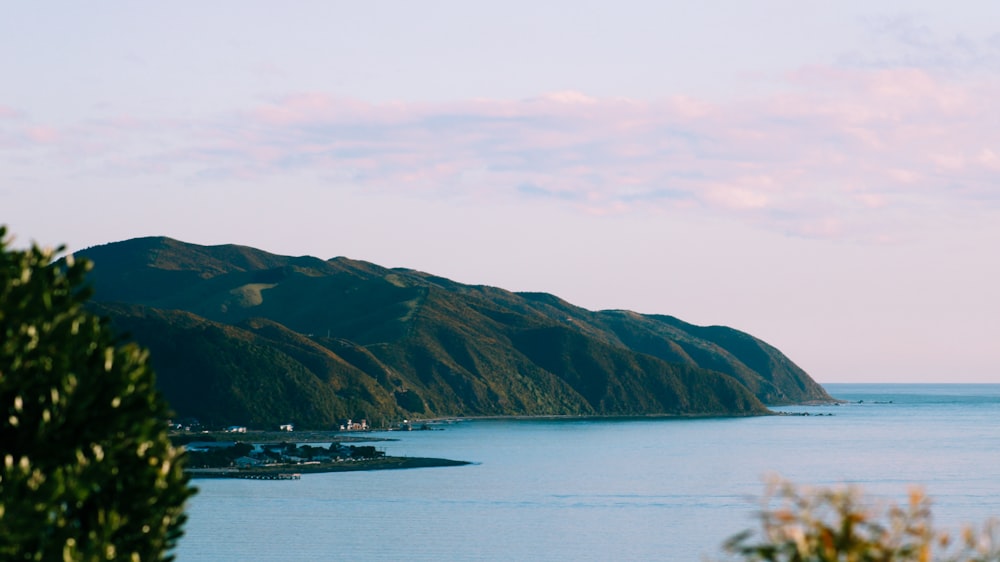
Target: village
point(285, 454)
point(192, 425)
point(241, 455)
point(267, 450)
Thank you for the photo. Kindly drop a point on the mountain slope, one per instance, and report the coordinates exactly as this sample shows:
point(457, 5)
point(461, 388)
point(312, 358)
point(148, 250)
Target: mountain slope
point(279, 338)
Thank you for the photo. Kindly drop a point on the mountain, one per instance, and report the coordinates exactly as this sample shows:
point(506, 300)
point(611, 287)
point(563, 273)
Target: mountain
point(242, 336)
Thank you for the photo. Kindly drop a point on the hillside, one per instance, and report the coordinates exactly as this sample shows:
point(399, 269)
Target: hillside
point(239, 335)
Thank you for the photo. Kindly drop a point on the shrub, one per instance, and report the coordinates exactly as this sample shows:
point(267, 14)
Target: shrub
point(839, 525)
point(87, 471)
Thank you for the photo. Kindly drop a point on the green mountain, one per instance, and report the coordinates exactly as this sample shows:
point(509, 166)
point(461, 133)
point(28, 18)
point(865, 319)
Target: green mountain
point(238, 335)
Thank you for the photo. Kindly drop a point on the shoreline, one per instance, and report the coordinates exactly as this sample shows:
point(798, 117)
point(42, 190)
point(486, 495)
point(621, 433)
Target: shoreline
point(611, 417)
point(362, 436)
point(275, 472)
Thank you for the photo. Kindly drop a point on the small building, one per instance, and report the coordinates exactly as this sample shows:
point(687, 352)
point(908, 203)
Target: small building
point(247, 462)
point(352, 425)
point(286, 427)
point(236, 429)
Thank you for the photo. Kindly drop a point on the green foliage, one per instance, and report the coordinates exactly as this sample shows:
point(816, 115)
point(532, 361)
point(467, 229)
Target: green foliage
point(86, 469)
point(224, 375)
point(365, 452)
point(838, 525)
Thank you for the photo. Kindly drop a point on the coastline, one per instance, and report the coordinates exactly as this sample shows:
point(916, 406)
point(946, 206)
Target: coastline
point(385, 463)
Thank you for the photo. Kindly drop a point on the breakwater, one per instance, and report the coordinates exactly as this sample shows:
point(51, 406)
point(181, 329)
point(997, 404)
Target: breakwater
point(245, 475)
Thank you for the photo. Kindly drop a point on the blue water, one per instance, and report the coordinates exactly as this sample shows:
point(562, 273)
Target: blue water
point(611, 490)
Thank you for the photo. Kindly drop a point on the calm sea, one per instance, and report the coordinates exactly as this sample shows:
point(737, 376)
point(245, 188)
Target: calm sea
point(611, 490)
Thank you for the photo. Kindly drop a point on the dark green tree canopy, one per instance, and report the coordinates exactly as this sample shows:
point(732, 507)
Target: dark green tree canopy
point(87, 471)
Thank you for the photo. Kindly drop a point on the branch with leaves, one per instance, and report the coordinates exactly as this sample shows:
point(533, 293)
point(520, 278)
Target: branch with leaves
point(840, 525)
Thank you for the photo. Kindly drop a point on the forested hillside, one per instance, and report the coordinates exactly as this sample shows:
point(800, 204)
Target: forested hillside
point(239, 335)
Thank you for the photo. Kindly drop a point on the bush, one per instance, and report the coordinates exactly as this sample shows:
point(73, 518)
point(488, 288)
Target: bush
point(87, 471)
point(838, 525)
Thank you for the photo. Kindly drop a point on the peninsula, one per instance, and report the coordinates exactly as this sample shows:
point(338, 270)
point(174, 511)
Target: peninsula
point(264, 458)
point(242, 336)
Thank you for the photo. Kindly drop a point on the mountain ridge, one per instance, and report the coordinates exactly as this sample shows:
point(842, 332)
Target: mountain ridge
point(344, 338)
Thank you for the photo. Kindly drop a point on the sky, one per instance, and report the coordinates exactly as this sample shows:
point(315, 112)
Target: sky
point(823, 176)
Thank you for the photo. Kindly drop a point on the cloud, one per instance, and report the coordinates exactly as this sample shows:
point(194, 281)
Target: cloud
point(858, 153)
point(41, 134)
point(904, 41)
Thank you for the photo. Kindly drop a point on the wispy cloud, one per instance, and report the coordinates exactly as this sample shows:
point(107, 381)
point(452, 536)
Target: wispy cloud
point(845, 152)
point(901, 40)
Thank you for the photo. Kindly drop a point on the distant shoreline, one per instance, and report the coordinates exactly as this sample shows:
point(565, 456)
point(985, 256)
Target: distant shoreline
point(322, 436)
point(385, 463)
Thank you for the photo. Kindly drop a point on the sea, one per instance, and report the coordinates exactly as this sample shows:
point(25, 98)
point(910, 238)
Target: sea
point(612, 489)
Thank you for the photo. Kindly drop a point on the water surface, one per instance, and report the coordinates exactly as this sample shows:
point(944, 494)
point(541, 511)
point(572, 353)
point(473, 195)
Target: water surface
point(668, 489)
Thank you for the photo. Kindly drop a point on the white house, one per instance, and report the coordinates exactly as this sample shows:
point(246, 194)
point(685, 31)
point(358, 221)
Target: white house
point(352, 425)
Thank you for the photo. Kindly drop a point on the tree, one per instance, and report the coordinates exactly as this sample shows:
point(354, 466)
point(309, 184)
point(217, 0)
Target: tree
point(87, 471)
point(838, 525)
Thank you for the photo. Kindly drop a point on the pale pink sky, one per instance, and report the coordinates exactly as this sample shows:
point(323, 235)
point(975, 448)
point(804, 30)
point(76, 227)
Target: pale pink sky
point(823, 177)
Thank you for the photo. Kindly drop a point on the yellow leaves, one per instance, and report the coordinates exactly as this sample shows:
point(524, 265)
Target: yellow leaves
point(22, 464)
point(109, 358)
point(925, 553)
point(798, 535)
point(784, 516)
point(36, 479)
point(968, 535)
point(69, 550)
point(31, 332)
